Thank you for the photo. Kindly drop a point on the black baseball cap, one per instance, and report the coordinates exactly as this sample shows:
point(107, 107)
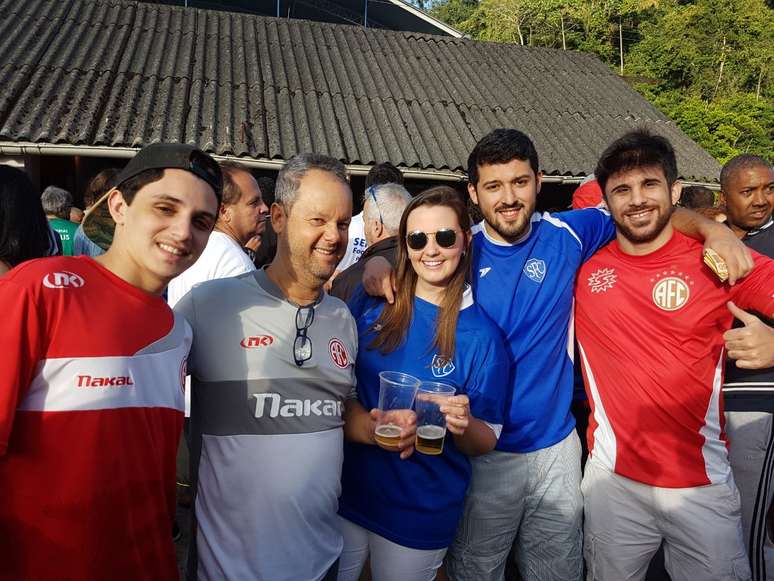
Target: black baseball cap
point(98, 225)
point(175, 156)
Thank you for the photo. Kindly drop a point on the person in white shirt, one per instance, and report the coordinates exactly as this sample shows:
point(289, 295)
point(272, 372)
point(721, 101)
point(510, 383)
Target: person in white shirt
point(242, 215)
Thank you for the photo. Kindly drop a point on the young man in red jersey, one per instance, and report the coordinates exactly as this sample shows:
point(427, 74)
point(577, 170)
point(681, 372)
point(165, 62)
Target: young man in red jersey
point(650, 317)
point(91, 400)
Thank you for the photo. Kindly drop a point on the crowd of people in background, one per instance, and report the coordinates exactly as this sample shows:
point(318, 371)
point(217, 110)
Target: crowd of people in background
point(198, 328)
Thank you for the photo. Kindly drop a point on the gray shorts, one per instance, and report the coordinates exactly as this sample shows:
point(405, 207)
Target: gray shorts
point(532, 500)
point(751, 453)
point(626, 520)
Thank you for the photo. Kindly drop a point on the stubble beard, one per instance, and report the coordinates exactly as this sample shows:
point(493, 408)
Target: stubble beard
point(310, 269)
point(510, 231)
point(650, 234)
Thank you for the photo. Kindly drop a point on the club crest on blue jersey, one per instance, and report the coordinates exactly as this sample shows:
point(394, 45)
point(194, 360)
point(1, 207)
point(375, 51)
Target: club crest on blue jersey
point(535, 269)
point(441, 367)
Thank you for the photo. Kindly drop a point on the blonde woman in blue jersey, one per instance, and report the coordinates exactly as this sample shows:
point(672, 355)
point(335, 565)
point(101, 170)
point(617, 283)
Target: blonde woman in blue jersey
point(402, 508)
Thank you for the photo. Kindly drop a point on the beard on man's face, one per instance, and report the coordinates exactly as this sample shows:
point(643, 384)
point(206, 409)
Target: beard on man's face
point(509, 229)
point(646, 233)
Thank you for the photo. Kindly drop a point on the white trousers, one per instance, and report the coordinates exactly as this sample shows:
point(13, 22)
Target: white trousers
point(625, 522)
point(389, 561)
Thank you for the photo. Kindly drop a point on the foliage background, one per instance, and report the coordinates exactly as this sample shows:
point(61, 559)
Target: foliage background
point(707, 64)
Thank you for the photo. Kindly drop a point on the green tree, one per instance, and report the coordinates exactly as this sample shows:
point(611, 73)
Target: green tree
point(708, 62)
point(453, 12)
point(726, 127)
point(711, 48)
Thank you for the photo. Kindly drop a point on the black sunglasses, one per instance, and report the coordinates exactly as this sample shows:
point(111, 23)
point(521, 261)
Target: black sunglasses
point(302, 346)
point(445, 238)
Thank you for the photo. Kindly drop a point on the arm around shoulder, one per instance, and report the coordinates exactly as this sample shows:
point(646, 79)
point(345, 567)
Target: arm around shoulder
point(717, 237)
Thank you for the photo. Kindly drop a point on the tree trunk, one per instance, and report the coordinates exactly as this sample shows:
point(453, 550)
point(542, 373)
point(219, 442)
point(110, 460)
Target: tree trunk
point(758, 88)
point(564, 42)
point(620, 43)
point(720, 71)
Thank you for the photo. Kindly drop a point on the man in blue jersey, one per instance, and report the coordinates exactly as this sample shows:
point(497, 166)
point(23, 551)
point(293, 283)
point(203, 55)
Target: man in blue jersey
point(527, 491)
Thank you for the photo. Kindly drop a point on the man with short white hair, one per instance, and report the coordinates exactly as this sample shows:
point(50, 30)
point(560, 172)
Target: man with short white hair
point(57, 203)
point(382, 209)
point(381, 173)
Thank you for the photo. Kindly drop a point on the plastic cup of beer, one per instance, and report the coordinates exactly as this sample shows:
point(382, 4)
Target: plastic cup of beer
point(396, 399)
point(431, 423)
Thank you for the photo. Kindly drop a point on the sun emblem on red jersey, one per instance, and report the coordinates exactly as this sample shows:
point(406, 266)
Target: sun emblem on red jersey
point(602, 280)
point(338, 353)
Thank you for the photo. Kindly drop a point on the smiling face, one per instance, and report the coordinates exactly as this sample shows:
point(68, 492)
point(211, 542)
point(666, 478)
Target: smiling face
point(435, 265)
point(165, 228)
point(506, 194)
point(749, 197)
point(641, 203)
point(312, 233)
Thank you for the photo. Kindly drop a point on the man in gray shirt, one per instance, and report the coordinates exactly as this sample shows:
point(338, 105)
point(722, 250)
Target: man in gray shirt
point(272, 363)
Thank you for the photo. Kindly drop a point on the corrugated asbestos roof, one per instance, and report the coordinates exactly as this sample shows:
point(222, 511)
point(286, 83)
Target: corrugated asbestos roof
point(124, 74)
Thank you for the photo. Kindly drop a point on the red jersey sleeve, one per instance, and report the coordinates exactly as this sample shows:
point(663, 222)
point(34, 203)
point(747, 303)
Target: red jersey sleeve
point(756, 290)
point(22, 336)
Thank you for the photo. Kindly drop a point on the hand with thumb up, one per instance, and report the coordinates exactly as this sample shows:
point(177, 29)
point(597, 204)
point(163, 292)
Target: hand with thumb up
point(752, 346)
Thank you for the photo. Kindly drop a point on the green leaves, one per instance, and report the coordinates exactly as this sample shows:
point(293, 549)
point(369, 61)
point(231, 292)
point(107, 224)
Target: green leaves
point(709, 63)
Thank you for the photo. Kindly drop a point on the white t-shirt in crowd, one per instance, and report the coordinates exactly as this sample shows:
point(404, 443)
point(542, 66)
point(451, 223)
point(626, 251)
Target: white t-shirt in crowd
point(222, 257)
point(357, 242)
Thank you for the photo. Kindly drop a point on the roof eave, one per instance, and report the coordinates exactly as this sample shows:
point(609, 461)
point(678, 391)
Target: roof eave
point(11, 149)
point(427, 18)
point(15, 149)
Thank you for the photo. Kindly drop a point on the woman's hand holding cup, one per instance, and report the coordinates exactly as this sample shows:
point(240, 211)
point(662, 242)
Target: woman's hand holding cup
point(402, 441)
point(456, 409)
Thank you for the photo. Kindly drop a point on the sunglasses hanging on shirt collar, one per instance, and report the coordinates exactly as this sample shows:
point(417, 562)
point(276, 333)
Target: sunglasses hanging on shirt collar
point(302, 346)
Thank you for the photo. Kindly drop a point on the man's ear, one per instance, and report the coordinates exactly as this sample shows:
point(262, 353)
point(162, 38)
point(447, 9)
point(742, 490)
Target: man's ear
point(604, 202)
point(117, 206)
point(538, 182)
point(279, 217)
point(377, 228)
point(472, 193)
point(677, 190)
point(224, 213)
point(722, 198)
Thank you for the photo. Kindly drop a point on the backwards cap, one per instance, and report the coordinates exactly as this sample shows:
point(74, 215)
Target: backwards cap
point(98, 224)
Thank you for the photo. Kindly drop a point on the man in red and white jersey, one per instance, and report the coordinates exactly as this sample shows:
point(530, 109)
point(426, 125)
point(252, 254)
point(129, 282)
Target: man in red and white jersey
point(91, 400)
point(650, 318)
